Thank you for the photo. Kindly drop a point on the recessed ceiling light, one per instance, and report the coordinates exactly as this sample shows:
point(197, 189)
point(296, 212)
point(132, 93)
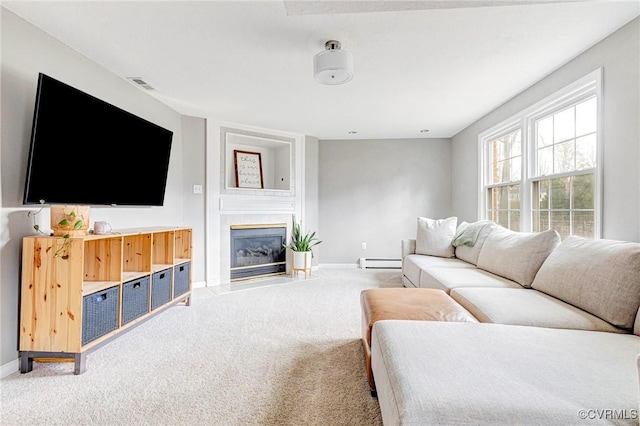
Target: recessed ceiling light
point(424, 131)
point(352, 132)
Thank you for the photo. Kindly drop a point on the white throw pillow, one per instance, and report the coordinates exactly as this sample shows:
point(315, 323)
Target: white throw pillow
point(435, 236)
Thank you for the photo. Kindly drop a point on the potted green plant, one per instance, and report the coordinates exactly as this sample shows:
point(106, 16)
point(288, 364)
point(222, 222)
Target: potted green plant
point(65, 222)
point(301, 246)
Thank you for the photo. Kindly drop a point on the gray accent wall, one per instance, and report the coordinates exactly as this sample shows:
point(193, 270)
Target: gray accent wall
point(311, 186)
point(374, 190)
point(618, 55)
point(194, 136)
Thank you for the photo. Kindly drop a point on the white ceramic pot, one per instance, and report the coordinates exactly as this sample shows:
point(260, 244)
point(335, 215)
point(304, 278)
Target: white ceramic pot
point(301, 259)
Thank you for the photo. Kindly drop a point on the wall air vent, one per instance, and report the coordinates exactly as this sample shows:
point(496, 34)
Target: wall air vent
point(140, 82)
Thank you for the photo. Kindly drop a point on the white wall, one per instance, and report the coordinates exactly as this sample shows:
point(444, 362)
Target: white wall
point(373, 191)
point(618, 54)
point(282, 168)
point(26, 51)
point(311, 184)
point(194, 136)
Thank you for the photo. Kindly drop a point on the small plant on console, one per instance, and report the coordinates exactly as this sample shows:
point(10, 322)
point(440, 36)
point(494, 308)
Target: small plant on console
point(70, 220)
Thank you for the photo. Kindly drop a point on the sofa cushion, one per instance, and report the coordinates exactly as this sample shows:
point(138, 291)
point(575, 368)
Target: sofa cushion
point(431, 373)
point(470, 253)
point(413, 264)
point(435, 236)
point(527, 307)
point(447, 279)
point(516, 255)
point(599, 276)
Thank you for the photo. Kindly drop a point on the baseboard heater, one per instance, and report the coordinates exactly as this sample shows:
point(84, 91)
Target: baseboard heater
point(370, 263)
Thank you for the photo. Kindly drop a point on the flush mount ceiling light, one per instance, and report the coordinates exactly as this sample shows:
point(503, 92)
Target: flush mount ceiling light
point(332, 65)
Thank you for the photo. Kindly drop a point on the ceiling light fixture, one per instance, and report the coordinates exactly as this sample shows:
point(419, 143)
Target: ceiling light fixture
point(332, 65)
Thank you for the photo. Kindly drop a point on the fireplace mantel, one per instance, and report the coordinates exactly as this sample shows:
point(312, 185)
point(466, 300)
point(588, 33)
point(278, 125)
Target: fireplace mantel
point(257, 205)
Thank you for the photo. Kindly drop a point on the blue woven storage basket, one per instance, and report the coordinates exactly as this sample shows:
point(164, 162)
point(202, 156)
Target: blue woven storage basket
point(181, 279)
point(99, 313)
point(135, 299)
point(160, 288)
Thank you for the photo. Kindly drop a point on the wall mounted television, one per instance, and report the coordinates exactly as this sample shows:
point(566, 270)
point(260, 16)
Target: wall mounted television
point(86, 151)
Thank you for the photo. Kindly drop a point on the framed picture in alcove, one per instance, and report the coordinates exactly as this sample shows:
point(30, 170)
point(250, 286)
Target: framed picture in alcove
point(248, 167)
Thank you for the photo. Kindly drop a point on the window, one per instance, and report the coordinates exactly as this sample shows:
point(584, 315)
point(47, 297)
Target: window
point(564, 178)
point(541, 169)
point(503, 190)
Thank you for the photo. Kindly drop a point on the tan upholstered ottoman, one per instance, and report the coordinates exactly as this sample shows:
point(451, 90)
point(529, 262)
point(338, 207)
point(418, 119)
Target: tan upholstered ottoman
point(422, 304)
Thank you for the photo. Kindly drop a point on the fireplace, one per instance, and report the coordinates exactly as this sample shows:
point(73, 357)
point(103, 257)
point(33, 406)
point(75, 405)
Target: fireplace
point(256, 250)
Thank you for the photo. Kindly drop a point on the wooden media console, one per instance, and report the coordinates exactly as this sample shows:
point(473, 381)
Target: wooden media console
point(80, 292)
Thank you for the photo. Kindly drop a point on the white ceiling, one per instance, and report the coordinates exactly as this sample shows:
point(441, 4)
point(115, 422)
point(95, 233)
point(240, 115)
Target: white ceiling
point(250, 62)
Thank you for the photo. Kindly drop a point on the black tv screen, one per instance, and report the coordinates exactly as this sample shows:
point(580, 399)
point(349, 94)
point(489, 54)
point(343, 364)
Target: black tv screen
point(86, 151)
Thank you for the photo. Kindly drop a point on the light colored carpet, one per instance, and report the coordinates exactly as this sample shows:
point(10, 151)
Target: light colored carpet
point(284, 354)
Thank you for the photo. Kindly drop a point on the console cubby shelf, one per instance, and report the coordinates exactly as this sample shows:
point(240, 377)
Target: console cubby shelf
point(80, 292)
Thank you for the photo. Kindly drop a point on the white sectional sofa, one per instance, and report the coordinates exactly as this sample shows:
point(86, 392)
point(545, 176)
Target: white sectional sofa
point(557, 343)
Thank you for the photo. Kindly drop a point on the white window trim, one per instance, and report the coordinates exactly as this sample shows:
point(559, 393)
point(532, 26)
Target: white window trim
point(587, 86)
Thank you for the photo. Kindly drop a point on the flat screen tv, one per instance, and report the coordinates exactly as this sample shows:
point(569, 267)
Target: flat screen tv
point(86, 151)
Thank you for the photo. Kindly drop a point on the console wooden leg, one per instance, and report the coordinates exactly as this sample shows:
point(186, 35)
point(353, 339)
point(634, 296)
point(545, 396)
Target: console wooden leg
point(80, 363)
point(26, 362)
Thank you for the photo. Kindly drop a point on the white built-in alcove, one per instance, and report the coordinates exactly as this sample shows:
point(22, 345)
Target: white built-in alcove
point(276, 154)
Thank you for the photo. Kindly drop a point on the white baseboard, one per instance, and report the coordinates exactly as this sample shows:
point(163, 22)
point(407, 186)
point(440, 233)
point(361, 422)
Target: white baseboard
point(9, 368)
point(380, 263)
point(198, 284)
point(338, 265)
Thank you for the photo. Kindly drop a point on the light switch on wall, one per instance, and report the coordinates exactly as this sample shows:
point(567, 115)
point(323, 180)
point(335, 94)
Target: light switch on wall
point(197, 189)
